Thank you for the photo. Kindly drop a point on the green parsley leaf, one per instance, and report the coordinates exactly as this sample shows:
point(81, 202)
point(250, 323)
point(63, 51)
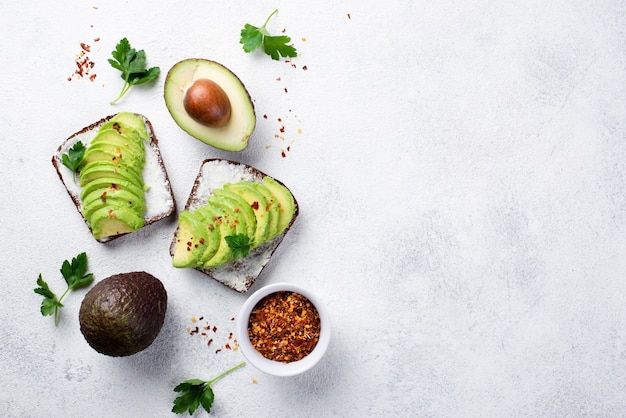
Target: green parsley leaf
point(74, 273)
point(240, 244)
point(252, 37)
point(132, 64)
point(197, 392)
point(73, 158)
point(50, 303)
point(75, 277)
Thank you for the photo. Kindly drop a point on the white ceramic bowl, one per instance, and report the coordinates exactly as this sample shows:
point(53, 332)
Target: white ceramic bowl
point(273, 367)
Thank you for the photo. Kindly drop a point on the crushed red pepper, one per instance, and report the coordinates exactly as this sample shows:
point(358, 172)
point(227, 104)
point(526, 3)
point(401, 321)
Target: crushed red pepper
point(284, 326)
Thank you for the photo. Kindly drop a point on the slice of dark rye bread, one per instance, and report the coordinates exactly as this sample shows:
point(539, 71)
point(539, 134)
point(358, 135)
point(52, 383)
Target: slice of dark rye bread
point(239, 274)
point(159, 196)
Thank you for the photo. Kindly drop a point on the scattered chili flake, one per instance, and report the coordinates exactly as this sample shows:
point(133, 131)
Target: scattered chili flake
point(210, 341)
point(284, 326)
point(218, 350)
point(283, 153)
point(286, 91)
point(349, 16)
point(304, 67)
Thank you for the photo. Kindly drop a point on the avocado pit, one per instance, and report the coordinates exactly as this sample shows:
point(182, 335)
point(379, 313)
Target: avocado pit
point(207, 103)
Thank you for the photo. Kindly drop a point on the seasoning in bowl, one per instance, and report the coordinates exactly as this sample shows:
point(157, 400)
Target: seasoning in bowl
point(284, 326)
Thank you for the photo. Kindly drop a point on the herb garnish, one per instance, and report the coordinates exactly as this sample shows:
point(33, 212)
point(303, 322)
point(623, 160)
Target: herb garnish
point(240, 244)
point(132, 64)
point(74, 157)
point(253, 37)
point(196, 392)
point(75, 277)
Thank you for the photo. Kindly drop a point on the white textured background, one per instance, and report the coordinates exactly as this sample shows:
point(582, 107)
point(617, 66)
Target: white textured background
point(461, 171)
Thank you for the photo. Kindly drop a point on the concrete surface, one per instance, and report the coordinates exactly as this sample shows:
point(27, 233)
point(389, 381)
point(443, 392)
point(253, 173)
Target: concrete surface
point(461, 172)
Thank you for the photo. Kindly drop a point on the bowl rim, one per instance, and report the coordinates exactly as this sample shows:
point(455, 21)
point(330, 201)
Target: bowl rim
point(273, 367)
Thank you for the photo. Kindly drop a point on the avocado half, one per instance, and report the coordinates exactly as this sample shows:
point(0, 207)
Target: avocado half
point(123, 314)
point(235, 133)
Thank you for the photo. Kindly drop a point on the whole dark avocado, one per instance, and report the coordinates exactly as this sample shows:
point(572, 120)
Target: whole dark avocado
point(123, 314)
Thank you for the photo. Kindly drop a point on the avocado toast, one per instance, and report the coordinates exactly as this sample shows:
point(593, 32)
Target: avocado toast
point(232, 200)
point(122, 184)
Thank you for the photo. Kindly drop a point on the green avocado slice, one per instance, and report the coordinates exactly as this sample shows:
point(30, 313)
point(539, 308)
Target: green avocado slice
point(209, 217)
point(108, 221)
point(271, 209)
point(103, 152)
point(224, 253)
point(111, 186)
point(191, 240)
point(114, 196)
point(128, 143)
point(97, 169)
point(258, 203)
point(242, 206)
point(235, 219)
point(285, 200)
point(129, 121)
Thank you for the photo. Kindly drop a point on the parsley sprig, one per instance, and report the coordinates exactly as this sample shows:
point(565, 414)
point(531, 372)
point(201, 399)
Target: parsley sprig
point(76, 277)
point(240, 244)
point(253, 37)
point(73, 158)
point(197, 392)
point(132, 64)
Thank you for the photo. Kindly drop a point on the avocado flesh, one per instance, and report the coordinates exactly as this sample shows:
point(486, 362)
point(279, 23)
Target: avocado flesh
point(113, 200)
point(258, 203)
point(111, 186)
point(285, 202)
point(235, 219)
point(235, 134)
point(99, 169)
point(242, 206)
point(271, 209)
point(191, 240)
point(208, 216)
point(224, 253)
point(112, 189)
point(127, 122)
point(109, 220)
point(109, 137)
point(123, 314)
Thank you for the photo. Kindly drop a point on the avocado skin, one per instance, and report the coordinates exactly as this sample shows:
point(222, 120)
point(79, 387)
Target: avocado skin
point(123, 314)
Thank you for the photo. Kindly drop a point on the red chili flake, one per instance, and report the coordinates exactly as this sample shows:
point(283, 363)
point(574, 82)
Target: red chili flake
point(210, 341)
point(286, 90)
point(201, 240)
point(92, 77)
point(282, 152)
point(279, 119)
point(282, 129)
point(96, 39)
point(232, 319)
point(349, 16)
point(85, 47)
point(218, 350)
point(265, 116)
point(255, 205)
point(227, 346)
point(304, 67)
point(214, 328)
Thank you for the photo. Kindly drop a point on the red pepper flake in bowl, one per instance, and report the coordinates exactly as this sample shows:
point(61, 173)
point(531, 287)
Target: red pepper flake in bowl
point(284, 326)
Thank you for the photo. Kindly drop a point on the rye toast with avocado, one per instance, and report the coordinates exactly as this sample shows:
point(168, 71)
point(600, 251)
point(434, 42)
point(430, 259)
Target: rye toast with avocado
point(116, 163)
point(232, 199)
